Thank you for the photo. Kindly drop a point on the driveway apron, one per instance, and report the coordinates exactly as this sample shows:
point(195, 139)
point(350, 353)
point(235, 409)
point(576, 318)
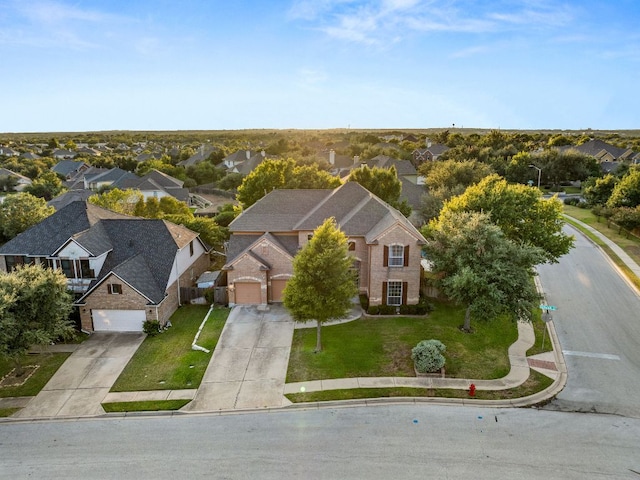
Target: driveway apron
point(84, 379)
point(249, 365)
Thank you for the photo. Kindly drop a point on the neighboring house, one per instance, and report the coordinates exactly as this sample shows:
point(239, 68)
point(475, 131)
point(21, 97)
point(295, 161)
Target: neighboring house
point(429, 154)
point(604, 152)
point(29, 156)
point(105, 178)
point(244, 161)
point(63, 154)
point(68, 197)
point(124, 270)
point(89, 151)
point(264, 239)
point(155, 184)
point(20, 180)
point(204, 151)
point(8, 152)
point(70, 169)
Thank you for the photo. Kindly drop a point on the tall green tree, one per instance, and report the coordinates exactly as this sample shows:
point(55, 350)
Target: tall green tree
point(452, 174)
point(597, 191)
point(626, 193)
point(34, 310)
point(322, 285)
point(520, 211)
point(21, 211)
point(47, 186)
point(479, 267)
point(116, 200)
point(383, 183)
point(277, 174)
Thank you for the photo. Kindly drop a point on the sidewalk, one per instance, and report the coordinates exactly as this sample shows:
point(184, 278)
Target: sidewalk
point(626, 259)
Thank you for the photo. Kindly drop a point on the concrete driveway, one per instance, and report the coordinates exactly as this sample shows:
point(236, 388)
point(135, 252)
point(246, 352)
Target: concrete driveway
point(84, 379)
point(249, 365)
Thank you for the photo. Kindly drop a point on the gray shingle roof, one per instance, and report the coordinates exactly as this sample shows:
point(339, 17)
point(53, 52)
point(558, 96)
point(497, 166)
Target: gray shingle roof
point(141, 251)
point(47, 236)
point(357, 211)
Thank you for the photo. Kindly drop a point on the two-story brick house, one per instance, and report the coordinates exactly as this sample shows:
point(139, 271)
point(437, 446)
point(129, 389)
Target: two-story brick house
point(384, 245)
point(123, 269)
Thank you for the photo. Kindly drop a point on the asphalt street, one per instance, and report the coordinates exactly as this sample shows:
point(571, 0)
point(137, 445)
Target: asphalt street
point(384, 441)
point(598, 324)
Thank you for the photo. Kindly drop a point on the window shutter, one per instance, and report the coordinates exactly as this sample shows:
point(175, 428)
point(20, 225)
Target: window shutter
point(384, 292)
point(406, 256)
point(385, 260)
point(404, 292)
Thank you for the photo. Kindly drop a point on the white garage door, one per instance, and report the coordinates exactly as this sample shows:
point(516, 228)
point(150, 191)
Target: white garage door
point(118, 320)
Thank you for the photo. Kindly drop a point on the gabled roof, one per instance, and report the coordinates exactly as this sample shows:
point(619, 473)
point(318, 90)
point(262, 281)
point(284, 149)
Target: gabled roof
point(403, 167)
point(595, 148)
point(9, 173)
point(66, 167)
point(110, 175)
point(68, 197)
point(357, 211)
point(47, 236)
point(140, 251)
point(243, 244)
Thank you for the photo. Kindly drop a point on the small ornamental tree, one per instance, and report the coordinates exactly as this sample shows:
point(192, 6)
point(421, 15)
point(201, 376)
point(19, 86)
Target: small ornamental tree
point(428, 356)
point(323, 285)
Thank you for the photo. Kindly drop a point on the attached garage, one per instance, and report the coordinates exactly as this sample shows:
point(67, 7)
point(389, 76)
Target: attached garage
point(277, 287)
point(248, 293)
point(118, 320)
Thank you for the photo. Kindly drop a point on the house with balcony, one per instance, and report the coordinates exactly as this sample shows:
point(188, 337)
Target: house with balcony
point(123, 270)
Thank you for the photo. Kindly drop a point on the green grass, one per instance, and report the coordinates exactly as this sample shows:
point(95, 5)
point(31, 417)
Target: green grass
point(630, 245)
point(376, 347)
point(48, 365)
point(166, 361)
point(536, 383)
point(7, 412)
point(145, 406)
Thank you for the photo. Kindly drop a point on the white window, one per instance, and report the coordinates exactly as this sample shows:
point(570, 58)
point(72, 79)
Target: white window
point(396, 256)
point(394, 293)
point(115, 288)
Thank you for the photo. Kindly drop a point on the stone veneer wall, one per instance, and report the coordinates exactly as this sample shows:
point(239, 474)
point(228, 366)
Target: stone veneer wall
point(101, 299)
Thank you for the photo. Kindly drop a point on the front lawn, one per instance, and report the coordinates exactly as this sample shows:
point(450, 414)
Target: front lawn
point(48, 364)
point(166, 361)
point(380, 347)
point(144, 406)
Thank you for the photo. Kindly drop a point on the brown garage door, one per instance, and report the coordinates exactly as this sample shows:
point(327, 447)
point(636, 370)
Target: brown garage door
point(248, 293)
point(277, 286)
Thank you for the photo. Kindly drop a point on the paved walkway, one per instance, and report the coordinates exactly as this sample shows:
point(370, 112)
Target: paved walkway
point(626, 259)
point(249, 365)
point(83, 381)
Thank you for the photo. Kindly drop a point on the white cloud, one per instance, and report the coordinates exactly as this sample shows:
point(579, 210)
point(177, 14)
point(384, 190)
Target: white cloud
point(378, 21)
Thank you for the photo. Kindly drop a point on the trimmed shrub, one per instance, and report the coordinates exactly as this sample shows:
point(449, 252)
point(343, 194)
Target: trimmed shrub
point(364, 302)
point(374, 310)
point(387, 309)
point(427, 356)
point(151, 327)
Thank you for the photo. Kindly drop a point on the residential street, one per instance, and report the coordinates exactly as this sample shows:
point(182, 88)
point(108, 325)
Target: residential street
point(598, 324)
point(383, 441)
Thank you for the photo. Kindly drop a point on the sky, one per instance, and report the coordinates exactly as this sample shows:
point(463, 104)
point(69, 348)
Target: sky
point(91, 65)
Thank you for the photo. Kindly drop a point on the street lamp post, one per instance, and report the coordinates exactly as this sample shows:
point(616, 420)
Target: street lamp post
point(531, 165)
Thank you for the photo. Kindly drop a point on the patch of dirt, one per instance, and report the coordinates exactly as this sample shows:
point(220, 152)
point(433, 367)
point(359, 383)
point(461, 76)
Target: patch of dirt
point(10, 380)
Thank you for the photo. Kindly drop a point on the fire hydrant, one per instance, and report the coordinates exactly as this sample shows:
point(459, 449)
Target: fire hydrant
point(472, 390)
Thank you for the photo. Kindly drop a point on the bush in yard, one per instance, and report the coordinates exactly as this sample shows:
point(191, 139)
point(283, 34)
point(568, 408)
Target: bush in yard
point(151, 327)
point(374, 310)
point(427, 356)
